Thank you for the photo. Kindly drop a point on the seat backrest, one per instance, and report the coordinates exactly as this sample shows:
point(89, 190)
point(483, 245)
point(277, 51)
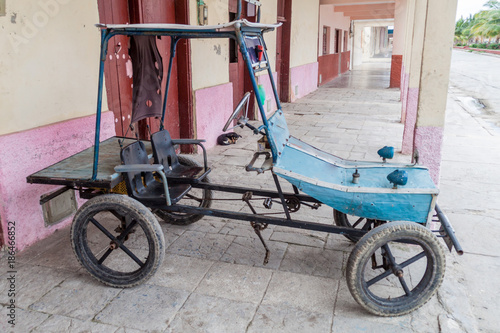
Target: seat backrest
point(135, 153)
point(164, 150)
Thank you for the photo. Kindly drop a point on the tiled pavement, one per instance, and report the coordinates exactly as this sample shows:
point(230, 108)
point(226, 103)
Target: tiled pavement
point(213, 278)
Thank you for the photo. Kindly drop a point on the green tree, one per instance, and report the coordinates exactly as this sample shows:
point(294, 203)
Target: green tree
point(463, 29)
point(492, 4)
point(485, 24)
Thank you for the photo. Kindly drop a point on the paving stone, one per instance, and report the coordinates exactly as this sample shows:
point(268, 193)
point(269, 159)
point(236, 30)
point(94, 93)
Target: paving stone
point(57, 324)
point(426, 318)
point(449, 325)
point(31, 283)
point(357, 156)
point(79, 297)
point(313, 261)
point(297, 238)
point(244, 229)
point(452, 294)
point(250, 251)
point(55, 252)
point(470, 229)
point(235, 282)
point(180, 272)
point(24, 320)
point(207, 224)
point(305, 292)
point(274, 319)
point(480, 292)
point(203, 313)
point(238, 152)
point(45, 245)
point(201, 245)
point(128, 330)
point(339, 243)
point(146, 307)
point(170, 232)
point(351, 125)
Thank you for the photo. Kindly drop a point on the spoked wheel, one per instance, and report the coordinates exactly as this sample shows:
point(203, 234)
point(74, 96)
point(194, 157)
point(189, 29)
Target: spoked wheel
point(351, 221)
point(196, 197)
point(395, 268)
point(118, 240)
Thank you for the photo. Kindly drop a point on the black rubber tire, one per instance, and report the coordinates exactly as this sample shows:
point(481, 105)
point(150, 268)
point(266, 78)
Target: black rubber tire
point(145, 241)
point(205, 196)
point(399, 301)
point(344, 220)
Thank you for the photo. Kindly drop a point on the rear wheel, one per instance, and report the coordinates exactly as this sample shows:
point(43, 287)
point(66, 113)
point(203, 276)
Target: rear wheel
point(117, 240)
point(196, 197)
point(395, 268)
point(351, 221)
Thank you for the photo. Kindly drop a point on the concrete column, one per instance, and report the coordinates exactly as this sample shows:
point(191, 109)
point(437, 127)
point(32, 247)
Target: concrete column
point(416, 14)
point(428, 81)
point(398, 43)
point(405, 68)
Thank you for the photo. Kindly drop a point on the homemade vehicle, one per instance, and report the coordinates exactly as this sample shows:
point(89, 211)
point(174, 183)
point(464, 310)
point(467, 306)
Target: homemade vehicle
point(394, 268)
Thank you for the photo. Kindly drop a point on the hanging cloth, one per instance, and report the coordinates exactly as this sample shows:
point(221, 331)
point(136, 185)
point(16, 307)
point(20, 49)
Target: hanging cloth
point(147, 76)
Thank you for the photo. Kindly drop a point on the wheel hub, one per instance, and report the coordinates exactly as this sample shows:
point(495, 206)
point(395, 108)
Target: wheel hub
point(398, 271)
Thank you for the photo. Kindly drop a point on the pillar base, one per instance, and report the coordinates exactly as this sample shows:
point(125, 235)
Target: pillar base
point(396, 63)
point(428, 142)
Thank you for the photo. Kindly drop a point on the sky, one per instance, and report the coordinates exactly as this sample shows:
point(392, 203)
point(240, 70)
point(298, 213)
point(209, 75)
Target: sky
point(467, 7)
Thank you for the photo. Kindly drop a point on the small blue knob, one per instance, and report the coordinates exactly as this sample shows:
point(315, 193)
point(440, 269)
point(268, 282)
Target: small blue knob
point(398, 177)
point(386, 152)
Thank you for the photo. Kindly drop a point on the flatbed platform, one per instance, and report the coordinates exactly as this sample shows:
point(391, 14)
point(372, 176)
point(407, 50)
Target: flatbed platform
point(76, 170)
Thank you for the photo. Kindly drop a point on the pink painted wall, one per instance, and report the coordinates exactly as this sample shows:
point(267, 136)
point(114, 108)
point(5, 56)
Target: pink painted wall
point(305, 77)
point(266, 83)
point(410, 120)
point(428, 142)
point(24, 153)
point(402, 87)
point(213, 107)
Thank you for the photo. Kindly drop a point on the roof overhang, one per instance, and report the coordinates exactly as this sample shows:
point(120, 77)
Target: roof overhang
point(363, 9)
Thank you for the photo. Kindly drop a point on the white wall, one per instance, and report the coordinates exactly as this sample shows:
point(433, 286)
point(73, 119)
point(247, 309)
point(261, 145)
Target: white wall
point(334, 20)
point(49, 59)
point(210, 57)
point(304, 35)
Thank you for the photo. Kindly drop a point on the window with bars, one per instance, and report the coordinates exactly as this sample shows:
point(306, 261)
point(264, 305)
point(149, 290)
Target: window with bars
point(326, 40)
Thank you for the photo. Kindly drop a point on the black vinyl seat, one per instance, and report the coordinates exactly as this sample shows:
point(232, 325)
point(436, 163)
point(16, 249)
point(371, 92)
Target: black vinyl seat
point(164, 154)
point(140, 181)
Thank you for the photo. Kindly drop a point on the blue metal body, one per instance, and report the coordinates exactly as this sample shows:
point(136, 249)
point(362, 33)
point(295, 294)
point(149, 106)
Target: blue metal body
point(386, 152)
point(398, 177)
point(329, 179)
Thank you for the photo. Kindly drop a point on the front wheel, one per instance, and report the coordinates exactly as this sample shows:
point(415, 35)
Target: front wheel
point(395, 268)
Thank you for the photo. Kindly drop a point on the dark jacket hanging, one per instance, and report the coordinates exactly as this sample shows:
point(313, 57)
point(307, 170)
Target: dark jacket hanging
point(147, 76)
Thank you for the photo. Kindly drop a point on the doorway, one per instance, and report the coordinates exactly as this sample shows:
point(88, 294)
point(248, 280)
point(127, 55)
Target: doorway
point(283, 50)
point(118, 66)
